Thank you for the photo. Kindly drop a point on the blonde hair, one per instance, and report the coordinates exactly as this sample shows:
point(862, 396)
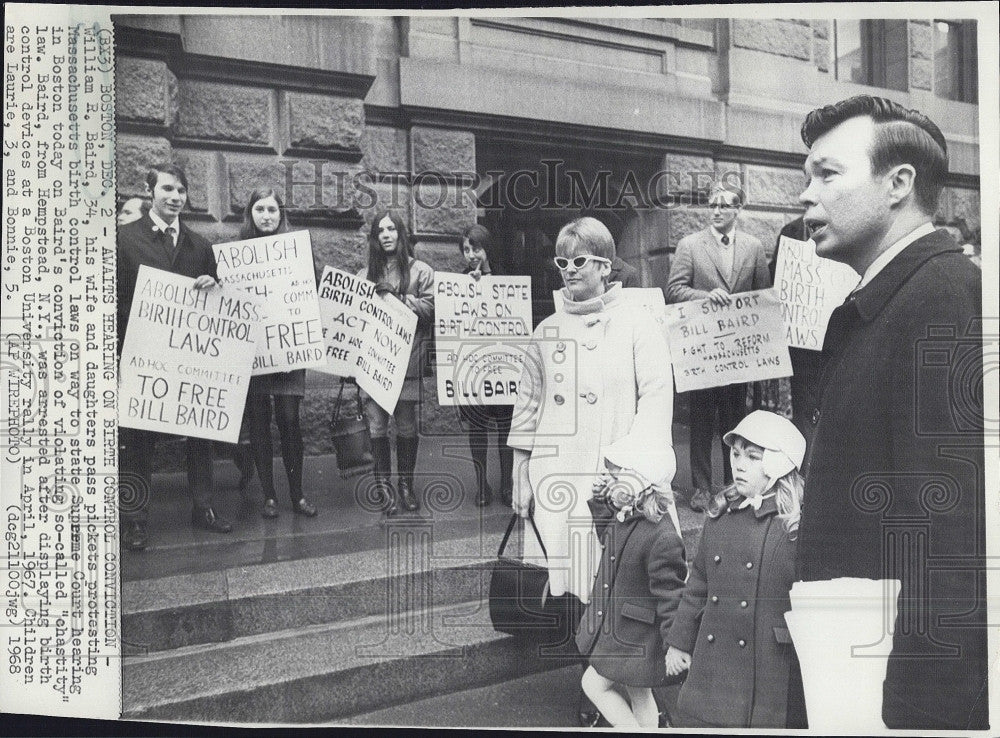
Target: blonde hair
point(654, 502)
point(788, 494)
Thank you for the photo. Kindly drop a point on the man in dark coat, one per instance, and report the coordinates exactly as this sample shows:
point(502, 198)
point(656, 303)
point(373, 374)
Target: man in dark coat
point(622, 271)
point(896, 475)
point(158, 239)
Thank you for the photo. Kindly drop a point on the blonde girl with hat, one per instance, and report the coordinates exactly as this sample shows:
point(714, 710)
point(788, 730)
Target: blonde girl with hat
point(729, 630)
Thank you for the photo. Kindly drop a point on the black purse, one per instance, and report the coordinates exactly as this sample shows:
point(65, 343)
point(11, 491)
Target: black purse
point(522, 606)
point(351, 440)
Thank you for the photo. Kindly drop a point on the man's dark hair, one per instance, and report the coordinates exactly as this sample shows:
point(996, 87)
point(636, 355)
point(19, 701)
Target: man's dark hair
point(167, 168)
point(902, 136)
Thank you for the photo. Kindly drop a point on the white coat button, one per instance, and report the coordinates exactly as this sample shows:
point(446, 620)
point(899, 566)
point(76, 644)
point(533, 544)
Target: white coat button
point(743, 644)
point(749, 565)
point(600, 612)
point(710, 638)
point(718, 559)
point(559, 399)
point(715, 598)
point(607, 586)
point(590, 345)
point(612, 558)
point(743, 603)
point(559, 377)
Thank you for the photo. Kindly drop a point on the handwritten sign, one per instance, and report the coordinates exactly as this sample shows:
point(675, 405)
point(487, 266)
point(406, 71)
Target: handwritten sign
point(366, 336)
point(279, 269)
point(186, 358)
point(713, 346)
point(810, 289)
point(480, 329)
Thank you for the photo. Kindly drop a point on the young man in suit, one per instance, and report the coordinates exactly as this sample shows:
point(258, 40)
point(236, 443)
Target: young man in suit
point(895, 488)
point(715, 263)
point(159, 239)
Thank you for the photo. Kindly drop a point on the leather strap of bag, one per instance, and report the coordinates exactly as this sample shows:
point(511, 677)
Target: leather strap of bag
point(336, 404)
point(510, 529)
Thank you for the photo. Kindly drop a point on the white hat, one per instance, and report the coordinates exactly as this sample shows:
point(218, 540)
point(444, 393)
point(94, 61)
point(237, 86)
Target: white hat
point(784, 447)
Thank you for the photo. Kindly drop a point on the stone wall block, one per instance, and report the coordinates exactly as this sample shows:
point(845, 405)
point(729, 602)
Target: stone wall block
point(145, 91)
point(965, 204)
point(244, 175)
point(221, 112)
point(385, 149)
point(201, 168)
point(133, 157)
point(345, 249)
point(442, 209)
point(684, 221)
point(821, 54)
point(394, 195)
point(441, 255)
point(687, 172)
point(921, 73)
point(442, 151)
point(325, 121)
point(921, 41)
point(764, 226)
point(773, 186)
point(781, 37)
point(821, 28)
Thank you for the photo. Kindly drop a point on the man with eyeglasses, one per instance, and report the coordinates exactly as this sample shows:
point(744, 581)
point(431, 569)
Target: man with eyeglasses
point(715, 263)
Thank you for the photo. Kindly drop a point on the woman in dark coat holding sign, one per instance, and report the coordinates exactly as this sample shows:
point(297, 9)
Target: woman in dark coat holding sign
point(265, 215)
point(476, 245)
point(394, 270)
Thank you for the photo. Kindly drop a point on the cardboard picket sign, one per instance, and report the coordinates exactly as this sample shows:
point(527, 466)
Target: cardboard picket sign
point(187, 357)
point(712, 346)
point(279, 269)
point(480, 330)
point(366, 336)
point(810, 289)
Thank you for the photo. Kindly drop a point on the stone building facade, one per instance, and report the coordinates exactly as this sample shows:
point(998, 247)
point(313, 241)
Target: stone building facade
point(519, 123)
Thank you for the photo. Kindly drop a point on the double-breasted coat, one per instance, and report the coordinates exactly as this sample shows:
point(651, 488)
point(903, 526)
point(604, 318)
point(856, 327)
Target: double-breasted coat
point(731, 621)
point(895, 485)
point(636, 591)
point(596, 384)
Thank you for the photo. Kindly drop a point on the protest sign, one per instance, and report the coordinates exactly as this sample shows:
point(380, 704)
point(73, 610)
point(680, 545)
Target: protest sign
point(279, 269)
point(713, 346)
point(366, 336)
point(480, 329)
point(810, 289)
point(186, 358)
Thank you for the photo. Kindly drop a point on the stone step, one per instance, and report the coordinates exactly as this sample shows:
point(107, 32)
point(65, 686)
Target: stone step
point(328, 673)
point(412, 565)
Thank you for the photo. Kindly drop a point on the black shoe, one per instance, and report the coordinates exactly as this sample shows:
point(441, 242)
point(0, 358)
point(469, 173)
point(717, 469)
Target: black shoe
point(134, 536)
point(205, 518)
point(388, 494)
point(485, 496)
point(699, 500)
point(406, 496)
point(304, 507)
point(270, 508)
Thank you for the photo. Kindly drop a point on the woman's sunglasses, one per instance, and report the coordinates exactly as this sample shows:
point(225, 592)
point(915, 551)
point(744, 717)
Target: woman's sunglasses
point(578, 262)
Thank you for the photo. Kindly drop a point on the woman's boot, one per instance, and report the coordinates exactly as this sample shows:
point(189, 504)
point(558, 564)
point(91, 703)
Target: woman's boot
point(406, 460)
point(382, 455)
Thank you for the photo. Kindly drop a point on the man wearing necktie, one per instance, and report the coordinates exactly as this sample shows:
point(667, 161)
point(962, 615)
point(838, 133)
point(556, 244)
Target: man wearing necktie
point(895, 483)
point(715, 263)
point(158, 239)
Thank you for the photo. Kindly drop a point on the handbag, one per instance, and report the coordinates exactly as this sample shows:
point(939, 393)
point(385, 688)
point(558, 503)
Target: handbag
point(522, 606)
point(351, 440)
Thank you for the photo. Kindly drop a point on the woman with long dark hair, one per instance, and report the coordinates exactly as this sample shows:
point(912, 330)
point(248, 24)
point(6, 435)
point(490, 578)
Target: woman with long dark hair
point(265, 215)
point(394, 270)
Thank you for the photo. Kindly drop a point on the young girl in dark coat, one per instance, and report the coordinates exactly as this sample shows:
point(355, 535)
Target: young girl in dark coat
point(636, 591)
point(730, 630)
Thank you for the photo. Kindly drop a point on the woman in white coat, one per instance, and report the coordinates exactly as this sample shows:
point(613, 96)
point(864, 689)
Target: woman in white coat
point(596, 393)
